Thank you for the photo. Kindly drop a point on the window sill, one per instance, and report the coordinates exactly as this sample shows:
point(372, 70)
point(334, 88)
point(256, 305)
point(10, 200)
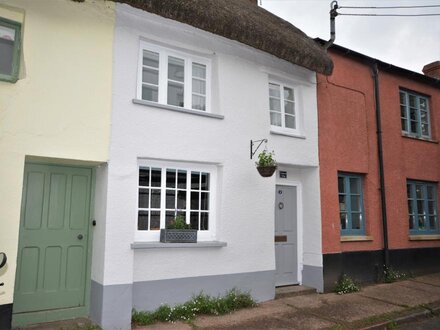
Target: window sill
point(356, 238)
point(434, 237)
point(295, 135)
point(413, 137)
point(177, 109)
point(158, 245)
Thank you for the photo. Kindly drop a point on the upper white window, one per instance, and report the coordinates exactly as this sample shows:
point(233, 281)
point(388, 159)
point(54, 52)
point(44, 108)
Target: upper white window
point(173, 78)
point(282, 106)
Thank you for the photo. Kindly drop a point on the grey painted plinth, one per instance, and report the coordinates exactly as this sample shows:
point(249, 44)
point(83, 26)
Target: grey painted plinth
point(313, 276)
point(110, 305)
point(151, 294)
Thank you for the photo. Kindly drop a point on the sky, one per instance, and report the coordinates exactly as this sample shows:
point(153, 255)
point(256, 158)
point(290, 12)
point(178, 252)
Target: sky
point(407, 42)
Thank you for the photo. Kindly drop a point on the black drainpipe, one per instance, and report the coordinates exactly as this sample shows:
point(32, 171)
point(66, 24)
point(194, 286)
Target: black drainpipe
point(375, 72)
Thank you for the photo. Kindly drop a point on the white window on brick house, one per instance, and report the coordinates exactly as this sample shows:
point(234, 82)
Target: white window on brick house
point(173, 78)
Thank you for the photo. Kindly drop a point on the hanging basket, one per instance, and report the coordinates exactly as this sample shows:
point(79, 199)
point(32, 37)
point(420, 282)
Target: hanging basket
point(266, 171)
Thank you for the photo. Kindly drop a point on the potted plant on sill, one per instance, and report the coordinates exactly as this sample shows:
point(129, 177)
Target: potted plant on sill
point(178, 231)
point(266, 164)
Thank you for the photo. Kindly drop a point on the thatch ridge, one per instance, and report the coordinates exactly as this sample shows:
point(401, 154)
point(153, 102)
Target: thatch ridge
point(247, 23)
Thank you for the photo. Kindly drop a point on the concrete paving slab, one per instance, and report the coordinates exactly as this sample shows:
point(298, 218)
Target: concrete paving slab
point(165, 326)
point(434, 291)
point(433, 279)
point(348, 308)
point(399, 293)
point(309, 301)
point(293, 320)
point(265, 310)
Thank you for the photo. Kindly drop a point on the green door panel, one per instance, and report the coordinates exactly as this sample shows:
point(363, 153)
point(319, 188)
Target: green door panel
point(54, 229)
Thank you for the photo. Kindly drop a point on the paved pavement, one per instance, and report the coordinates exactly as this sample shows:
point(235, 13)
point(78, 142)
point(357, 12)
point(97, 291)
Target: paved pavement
point(431, 323)
point(372, 308)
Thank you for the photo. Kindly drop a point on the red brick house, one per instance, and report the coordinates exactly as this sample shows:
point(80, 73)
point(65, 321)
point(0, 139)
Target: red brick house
point(379, 131)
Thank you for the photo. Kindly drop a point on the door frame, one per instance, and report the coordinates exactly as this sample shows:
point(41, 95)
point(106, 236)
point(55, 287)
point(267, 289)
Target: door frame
point(21, 319)
point(299, 223)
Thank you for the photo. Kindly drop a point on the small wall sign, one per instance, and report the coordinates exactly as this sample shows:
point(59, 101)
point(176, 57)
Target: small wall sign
point(283, 174)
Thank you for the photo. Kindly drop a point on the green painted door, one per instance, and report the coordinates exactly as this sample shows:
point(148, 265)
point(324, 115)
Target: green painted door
point(54, 229)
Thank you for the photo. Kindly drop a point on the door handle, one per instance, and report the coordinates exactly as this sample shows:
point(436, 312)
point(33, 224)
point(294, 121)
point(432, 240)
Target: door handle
point(280, 238)
point(80, 236)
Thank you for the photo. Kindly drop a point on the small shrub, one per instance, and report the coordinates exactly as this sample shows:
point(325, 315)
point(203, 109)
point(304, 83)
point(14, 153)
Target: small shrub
point(178, 223)
point(391, 275)
point(200, 304)
point(266, 158)
point(346, 285)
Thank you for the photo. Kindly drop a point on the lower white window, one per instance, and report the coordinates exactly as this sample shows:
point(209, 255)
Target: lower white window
point(167, 190)
point(282, 106)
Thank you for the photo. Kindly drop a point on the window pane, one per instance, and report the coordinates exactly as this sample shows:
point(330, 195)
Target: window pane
point(430, 191)
point(424, 116)
point(150, 93)
point(204, 220)
point(7, 54)
point(355, 203)
point(404, 125)
point(342, 204)
point(205, 181)
point(419, 191)
point(155, 198)
point(181, 200)
point(413, 127)
point(402, 98)
point(355, 221)
point(204, 201)
point(170, 202)
point(143, 220)
point(431, 207)
point(144, 177)
point(354, 186)
point(275, 119)
point(274, 90)
point(289, 107)
point(169, 216)
point(420, 207)
point(411, 222)
point(433, 222)
point(413, 114)
point(402, 111)
point(156, 177)
point(275, 104)
point(181, 179)
point(408, 190)
point(341, 185)
point(199, 70)
point(199, 102)
point(175, 94)
point(171, 178)
point(199, 86)
point(421, 222)
point(343, 218)
point(144, 198)
point(150, 76)
point(195, 180)
point(288, 93)
point(194, 200)
point(155, 220)
point(422, 103)
point(290, 121)
point(194, 220)
point(425, 129)
point(410, 207)
point(176, 69)
point(412, 101)
point(151, 59)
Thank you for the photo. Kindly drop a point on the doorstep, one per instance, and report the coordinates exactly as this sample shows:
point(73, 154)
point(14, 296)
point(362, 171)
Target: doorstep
point(75, 323)
point(293, 291)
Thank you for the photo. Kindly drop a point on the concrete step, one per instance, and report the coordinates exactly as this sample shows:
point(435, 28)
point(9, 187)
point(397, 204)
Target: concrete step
point(69, 324)
point(292, 291)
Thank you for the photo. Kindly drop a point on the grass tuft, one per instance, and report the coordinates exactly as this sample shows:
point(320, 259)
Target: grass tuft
point(346, 285)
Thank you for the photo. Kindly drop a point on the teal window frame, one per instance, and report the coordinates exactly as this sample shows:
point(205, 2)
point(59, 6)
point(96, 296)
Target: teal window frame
point(422, 207)
point(13, 77)
point(347, 195)
point(419, 106)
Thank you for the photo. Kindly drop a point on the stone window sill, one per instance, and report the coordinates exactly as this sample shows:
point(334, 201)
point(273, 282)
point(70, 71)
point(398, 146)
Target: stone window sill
point(177, 109)
point(294, 135)
point(419, 138)
point(424, 237)
point(158, 245)
point(356, 238)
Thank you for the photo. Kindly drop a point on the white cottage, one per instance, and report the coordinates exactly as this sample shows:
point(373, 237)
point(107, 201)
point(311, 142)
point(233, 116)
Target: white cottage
point(186, 105)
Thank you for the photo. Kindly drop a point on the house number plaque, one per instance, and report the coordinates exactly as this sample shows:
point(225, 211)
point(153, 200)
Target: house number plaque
point(283, 174)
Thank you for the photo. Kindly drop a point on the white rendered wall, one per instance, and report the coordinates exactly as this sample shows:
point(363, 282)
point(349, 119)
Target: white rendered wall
point(245, 202)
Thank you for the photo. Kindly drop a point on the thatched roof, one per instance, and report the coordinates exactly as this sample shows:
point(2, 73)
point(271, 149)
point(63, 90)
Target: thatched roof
point(244, 21)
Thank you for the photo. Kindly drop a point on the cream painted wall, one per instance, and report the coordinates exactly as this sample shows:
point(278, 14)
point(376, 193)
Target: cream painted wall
point(60, 107)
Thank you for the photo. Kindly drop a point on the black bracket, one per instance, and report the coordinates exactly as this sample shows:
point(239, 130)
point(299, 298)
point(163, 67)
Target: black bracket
point(256, 149)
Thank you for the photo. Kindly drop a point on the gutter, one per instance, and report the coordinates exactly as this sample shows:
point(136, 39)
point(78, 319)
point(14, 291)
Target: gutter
point(375, 74)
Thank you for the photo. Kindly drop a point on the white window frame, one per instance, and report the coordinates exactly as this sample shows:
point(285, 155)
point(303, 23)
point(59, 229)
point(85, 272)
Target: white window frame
point(202, 235)
point(296, 100)
point(189, 59)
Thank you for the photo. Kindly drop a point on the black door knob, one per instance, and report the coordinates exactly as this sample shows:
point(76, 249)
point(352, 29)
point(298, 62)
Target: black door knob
point(80, 236)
